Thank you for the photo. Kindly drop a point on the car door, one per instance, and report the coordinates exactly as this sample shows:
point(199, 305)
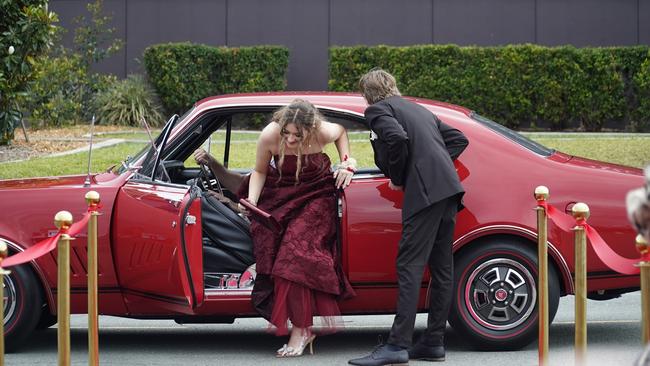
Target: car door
point(370, 223)
point(157, 247)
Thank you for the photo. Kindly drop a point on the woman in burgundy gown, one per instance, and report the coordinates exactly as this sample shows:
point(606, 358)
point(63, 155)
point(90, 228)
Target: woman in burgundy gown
point(299, 273)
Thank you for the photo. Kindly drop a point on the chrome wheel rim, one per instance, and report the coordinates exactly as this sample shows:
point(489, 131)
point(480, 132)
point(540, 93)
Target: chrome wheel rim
point(9, 298)
point(500, 294)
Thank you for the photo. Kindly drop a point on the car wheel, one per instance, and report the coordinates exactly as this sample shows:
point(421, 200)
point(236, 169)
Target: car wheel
point(22, 299)
point(495, 294)
point(47, 319)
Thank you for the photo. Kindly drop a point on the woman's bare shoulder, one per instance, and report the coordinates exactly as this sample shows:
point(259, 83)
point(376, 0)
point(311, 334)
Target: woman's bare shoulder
point(271, 132)
point(329, 131)
point(269, 137)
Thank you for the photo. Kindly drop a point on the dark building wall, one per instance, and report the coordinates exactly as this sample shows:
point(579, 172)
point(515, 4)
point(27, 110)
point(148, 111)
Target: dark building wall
point(300, 25)
point(309, 27)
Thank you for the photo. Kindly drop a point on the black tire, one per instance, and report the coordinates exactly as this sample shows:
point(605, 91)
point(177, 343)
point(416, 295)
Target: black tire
point(22, 307)
point(495, 294)
point(47, 319)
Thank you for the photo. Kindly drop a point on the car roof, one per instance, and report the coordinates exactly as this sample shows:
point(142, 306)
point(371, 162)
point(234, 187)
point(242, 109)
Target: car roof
point(352, 102)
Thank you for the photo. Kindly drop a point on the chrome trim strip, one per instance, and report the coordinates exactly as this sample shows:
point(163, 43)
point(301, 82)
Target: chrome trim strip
point(557, 256)
point(230, 292)
point(368, 176)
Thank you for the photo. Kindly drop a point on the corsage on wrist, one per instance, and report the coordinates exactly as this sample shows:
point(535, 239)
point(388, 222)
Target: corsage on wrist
point(349, 164)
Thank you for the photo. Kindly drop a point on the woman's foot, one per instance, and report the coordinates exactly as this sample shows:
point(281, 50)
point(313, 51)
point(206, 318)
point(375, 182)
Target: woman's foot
point(300, 338)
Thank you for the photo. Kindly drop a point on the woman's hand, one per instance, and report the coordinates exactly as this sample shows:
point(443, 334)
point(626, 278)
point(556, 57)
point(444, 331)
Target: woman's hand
point(344, 172)
point(202, 157)
point(243, 210)
point(343, 177)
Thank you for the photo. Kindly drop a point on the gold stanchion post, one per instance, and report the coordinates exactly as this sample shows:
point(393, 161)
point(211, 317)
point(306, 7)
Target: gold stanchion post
point(63, 221)
point(644, 264)
point(580, 213)
point(541, 194)
point(4, 251)
point(92, 198)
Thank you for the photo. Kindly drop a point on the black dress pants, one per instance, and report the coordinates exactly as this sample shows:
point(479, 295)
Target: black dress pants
point(426, 240)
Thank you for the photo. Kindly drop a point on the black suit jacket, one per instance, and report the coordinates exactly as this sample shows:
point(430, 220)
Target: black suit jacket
point(415, 150)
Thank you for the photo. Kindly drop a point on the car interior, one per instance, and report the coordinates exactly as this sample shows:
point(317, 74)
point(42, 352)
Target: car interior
point(228, 259)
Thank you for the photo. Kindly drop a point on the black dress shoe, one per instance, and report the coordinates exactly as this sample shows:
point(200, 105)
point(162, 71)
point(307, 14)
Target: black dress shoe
point(424, 352)
point(382, 356)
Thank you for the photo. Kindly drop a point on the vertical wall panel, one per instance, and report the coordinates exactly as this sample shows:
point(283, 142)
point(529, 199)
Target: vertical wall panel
point(300, 25)
point(644, 22)
point(68, 10)
point(483, 22)
point(372, 22)
point(161, 21)
point(587, 22)
point(309, 27)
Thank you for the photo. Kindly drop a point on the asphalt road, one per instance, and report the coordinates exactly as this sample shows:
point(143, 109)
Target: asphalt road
point(613, 335)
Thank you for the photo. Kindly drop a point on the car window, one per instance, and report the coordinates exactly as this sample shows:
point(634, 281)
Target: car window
point(246, 127)
point(513, 136)
point(358, 134)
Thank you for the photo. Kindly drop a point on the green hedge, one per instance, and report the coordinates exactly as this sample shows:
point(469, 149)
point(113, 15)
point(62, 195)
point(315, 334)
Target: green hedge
point(518, 86)
point(183, 73)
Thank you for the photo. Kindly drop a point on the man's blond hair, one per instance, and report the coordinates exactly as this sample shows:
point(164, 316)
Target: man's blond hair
point(377, 85)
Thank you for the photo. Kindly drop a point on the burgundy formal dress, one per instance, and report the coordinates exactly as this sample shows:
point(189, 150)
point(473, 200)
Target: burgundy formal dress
point(299, 273)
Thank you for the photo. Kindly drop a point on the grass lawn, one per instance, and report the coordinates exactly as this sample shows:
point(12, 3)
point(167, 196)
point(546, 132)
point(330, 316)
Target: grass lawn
point(631, 150)
point(102, 159)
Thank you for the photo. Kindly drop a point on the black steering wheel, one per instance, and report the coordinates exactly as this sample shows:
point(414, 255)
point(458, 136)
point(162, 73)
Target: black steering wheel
point(204, 182)
point(203, 179)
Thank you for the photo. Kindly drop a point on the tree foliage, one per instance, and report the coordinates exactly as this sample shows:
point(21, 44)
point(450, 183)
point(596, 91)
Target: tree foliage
point(66, 86)
point(26, 32)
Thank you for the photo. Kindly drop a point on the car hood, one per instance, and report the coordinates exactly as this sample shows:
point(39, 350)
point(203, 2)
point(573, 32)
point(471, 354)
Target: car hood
point(28, 206)
point(49, 182)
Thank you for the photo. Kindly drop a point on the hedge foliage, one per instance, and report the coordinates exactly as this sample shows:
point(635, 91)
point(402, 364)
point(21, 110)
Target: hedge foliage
point(519, 85)
point(183, 73)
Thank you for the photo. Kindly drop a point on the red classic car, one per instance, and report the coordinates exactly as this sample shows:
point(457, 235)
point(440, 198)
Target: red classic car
point(167, 252)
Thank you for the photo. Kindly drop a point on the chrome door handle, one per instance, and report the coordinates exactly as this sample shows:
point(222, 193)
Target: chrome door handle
point(190, 220)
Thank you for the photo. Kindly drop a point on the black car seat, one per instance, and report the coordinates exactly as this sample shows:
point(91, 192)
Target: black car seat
point(227, 243)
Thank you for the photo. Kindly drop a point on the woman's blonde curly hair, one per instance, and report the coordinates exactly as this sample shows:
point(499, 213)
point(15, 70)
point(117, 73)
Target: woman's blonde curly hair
point(307, 120)
point(377, 85)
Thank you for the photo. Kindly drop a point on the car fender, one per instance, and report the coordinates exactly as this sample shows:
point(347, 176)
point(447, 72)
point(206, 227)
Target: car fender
point(525, 233)
point(47, 290)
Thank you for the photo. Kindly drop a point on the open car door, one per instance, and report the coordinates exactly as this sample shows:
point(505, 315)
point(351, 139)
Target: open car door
point(157, 239)
point(157, 245)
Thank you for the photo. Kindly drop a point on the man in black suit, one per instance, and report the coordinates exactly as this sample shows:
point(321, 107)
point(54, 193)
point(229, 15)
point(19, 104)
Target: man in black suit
point(416, 151)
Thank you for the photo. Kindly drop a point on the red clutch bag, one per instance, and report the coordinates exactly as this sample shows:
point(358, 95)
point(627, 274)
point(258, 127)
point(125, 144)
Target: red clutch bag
point(262, 217)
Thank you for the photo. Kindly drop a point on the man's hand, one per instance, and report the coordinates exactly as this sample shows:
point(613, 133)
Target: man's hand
point(202, 157)
point(394, 187)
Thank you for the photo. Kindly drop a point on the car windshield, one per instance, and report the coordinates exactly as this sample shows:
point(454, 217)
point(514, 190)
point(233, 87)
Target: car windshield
point(126, 164)
point(513, 136)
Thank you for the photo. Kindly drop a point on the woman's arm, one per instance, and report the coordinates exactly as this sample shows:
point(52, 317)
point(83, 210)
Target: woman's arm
point(332, 132)
point(265, 143)
point(231, 180)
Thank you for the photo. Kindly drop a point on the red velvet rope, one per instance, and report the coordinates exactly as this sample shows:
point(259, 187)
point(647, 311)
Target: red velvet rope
point(46, 245)
point(606, 254)
point(94, 207)
point(601, 248)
